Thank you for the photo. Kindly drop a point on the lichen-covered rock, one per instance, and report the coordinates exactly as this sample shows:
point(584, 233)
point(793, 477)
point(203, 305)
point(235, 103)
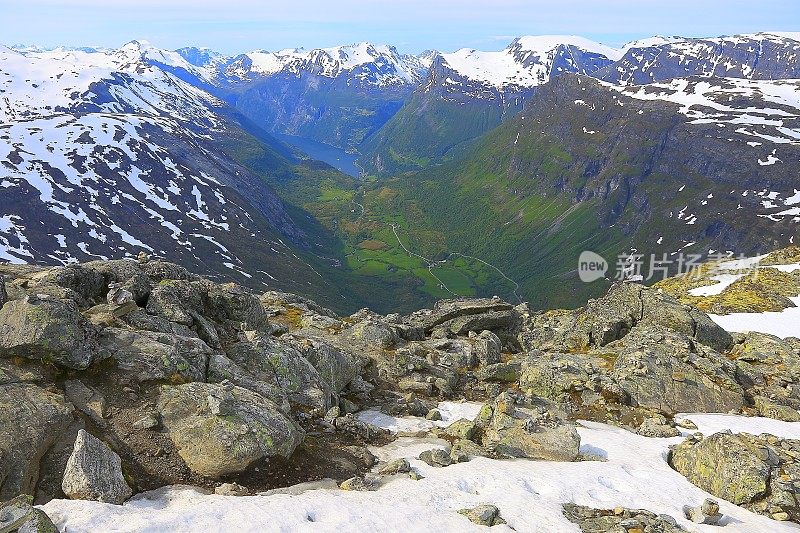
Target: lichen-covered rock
point(222, 429)
point(175, 300)
point(373, 333)
point(94, 472)
point(626, 305)
point(447, 310)
point(591, 520)
point(461, 429)
point(232, 303)
point(518, 427)
point(666, 371)
point(277, 362)
point(31, 421)
point(220, 369)
point(463, 450)
point(756, 472)
point(150, 356)
point(336, 366)
point(502, 372)
point(47, 329)
point(398, 466)
point(657, 428)
point(771, 409)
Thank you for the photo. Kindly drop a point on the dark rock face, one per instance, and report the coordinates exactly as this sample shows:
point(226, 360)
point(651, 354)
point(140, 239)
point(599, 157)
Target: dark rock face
point(31, 421)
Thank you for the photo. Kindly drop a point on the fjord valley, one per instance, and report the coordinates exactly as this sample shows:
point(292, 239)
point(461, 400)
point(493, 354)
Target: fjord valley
point(550, 287)
point(466, 174)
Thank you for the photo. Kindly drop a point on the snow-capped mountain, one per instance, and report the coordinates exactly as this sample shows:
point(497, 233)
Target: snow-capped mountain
point(337, 96)
point(361, 63)
point(468, 92)
point(758, 56)
point(527, 62)
point(105, 155)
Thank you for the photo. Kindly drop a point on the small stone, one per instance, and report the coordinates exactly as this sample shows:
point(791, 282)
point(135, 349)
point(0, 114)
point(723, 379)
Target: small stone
point(398, 466)
point(231, 489)
point(434, 415)
point(436, 457)
point(461, 429)
point(148, 422)
point(416, 476)
point(781, 517)
point(356, 484)
point(483, 515)
point(705, 513)
point(117, 295)
point(348, 407)
point(685, 423)
point(332, 414)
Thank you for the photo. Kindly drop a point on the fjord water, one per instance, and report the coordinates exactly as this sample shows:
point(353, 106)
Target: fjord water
point(335, 157)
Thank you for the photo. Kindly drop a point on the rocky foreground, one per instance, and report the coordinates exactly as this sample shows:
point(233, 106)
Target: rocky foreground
point(120, 377)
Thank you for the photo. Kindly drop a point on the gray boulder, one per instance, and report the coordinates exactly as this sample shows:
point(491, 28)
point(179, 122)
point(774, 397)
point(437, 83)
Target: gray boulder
point(274, 361)
point(47, 329)
point(335, 365)
point(436, 457)
point(488, 348)
point(222, 429)
point(176, 299)
point(229, 302)
point(613, 316)
point(94, 472)
point(446, 310)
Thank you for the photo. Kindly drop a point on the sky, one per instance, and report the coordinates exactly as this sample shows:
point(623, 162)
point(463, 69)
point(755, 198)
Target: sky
point(234, 26)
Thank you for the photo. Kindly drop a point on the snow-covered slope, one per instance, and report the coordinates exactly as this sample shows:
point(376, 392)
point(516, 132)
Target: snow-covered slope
point(528, 61)
point(528, 493)
point(759, 56)
point(105, 154)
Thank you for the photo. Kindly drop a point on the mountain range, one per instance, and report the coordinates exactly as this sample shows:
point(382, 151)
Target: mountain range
point(481, 172)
